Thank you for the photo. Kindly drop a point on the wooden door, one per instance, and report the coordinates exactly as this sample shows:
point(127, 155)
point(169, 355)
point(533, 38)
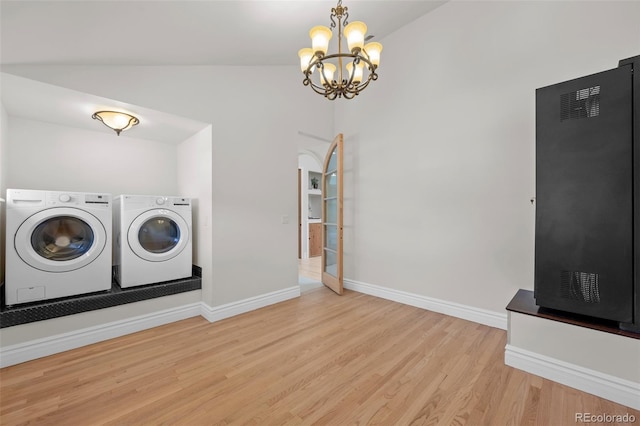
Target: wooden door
point(299, 214)
point(315, 239)
point(332, 216)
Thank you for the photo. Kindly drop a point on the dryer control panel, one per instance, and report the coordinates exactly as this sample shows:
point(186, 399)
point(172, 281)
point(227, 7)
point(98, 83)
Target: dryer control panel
point(139, 201)
point(176, 201)
point(173, 201)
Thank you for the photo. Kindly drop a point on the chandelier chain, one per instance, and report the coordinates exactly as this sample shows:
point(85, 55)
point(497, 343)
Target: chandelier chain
point(338, 12)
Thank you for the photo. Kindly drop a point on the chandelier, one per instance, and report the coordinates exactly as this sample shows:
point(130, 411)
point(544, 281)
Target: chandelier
point(355, 70)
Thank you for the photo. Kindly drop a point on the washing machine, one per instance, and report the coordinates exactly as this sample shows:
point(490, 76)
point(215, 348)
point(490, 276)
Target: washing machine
point(58, 244)
point(152, 239)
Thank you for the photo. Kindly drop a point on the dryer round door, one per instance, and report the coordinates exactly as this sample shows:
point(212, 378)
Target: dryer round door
point(60, 239)
point(158, 235)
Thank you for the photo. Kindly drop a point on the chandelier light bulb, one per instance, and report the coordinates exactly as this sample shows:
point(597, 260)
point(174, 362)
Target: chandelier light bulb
point(305, 55)
point(320, 36)
point(373, 49)
point(328, 71)
point(357, 77)
point(354, 32)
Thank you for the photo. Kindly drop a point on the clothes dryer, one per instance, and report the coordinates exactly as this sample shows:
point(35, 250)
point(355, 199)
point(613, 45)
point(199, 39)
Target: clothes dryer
point(58, 244)
point(152, 239)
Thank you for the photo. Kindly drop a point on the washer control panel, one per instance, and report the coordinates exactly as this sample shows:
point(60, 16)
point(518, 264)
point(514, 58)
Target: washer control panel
point(78, 198)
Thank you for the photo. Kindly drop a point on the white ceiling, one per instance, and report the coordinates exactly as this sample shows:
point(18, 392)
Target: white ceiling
point(39, 101)
point(180, 32)
point(151, 32)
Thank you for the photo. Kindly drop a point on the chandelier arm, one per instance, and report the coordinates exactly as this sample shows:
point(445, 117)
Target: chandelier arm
point(362, 86)
point(355, 63)
point(321, 90)
point(335, 85)
point(357, 89)
point(366, 54)
point(324, 91)
point(323, 78)
point(307, 80)
point(370, 65)
point(329, 92)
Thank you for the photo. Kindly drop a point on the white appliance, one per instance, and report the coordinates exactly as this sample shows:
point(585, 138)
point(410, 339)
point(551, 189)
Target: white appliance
point(58, 244)
point(152, 239)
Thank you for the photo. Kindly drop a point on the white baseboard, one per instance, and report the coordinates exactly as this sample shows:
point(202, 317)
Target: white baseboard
point(594, 382)
point(15, 354)
point(470, 313)
point(217, 313)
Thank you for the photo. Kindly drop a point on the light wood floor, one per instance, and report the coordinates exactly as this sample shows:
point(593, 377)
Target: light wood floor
point(311, 268)
point(317, 359)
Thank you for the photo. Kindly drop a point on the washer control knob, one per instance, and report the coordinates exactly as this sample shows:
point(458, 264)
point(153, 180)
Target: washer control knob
point(65, 198)
point(160, 201)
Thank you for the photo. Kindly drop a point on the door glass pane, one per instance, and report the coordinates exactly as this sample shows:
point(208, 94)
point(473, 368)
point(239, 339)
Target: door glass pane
point(330, 262)
point(159, 235)
point(333, 161)
point(332, 211)
point(331, 237)
point(62, 238)
point(331, 185)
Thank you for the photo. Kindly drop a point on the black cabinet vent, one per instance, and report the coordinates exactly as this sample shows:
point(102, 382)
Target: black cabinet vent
point(582, 286)
point(583, 103)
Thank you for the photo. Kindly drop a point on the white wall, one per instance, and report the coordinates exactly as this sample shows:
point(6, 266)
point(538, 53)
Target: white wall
point(310, 163)
point(439, 166)
point(194, 162)
point(4, 137)
point(255, 114)
point(61, 158)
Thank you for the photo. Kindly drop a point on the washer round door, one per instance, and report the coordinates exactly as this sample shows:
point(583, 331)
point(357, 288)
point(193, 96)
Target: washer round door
point(60, 239)
point(158, 235)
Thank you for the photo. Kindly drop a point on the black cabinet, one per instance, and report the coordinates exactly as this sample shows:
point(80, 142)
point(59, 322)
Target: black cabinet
point(587, 187)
